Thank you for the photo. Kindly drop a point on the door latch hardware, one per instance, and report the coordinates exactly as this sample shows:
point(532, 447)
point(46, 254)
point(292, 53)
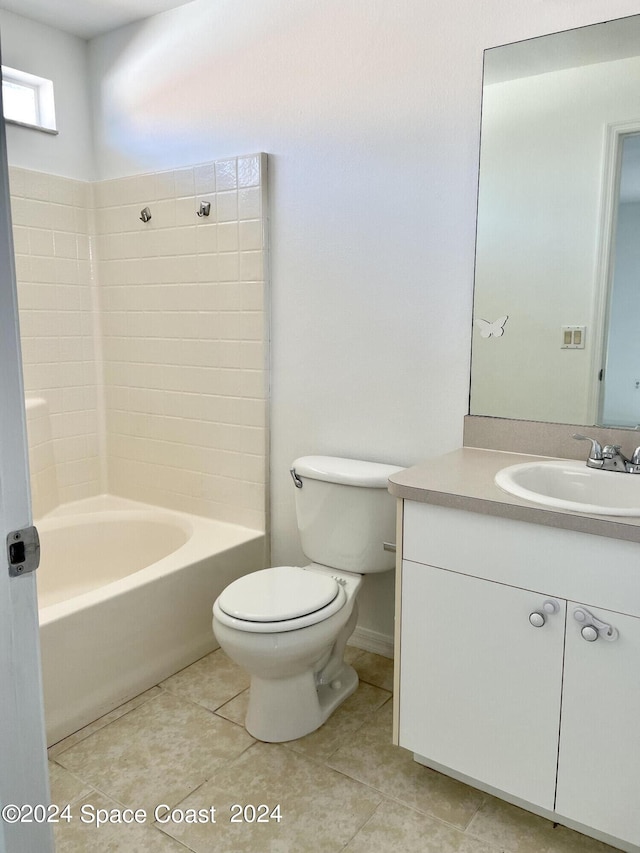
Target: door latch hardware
point(592, 628)
point(23, 551)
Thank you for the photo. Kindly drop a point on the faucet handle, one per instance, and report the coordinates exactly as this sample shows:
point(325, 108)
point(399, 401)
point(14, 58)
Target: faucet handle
point(596, 449)
point(635, 458)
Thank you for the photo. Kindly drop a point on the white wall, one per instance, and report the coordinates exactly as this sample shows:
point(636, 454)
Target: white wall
point(47, 52)
point(370, 112)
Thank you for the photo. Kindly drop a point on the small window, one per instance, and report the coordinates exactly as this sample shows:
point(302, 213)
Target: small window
point(28, 100)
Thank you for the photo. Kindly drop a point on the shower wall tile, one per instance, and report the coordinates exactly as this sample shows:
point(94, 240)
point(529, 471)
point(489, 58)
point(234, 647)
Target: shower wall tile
point(184, 338)
point(160, 327)
point(44, 480)
point(51, 227)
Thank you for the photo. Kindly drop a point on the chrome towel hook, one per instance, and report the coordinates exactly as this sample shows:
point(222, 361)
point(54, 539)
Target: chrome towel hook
point(205, 208)
point(145, 214)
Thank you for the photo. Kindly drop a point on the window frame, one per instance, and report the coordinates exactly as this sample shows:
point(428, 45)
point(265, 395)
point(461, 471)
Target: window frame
point(43, 95)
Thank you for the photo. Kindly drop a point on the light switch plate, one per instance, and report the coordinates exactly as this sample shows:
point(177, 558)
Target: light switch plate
point(573, 337)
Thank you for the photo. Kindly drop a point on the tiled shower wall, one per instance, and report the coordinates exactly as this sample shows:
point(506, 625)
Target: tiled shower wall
point(183, 325)
point(52, 237)
point(176, 331)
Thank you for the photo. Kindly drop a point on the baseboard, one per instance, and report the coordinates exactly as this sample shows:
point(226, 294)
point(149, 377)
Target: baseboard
point(372, 641)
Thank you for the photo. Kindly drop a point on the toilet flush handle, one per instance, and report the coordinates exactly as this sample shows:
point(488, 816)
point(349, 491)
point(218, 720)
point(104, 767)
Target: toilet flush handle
point(296, 479)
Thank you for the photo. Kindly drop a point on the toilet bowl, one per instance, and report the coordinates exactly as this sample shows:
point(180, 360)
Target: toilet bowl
point(298, 675)
point(288, 626)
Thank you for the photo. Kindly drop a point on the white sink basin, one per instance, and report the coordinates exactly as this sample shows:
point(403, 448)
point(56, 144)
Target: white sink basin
point(568, 484)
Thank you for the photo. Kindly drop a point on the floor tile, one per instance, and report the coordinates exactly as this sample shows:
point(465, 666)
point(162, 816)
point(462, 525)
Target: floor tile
point(342, 724)
point(351, 654)
point(65, 787)
point(210, 681)
point(371, 758)
point(395, 827)
point(158, 753)
point(101, 722)
point(82, 834)
point(475, 845)
point(375, 669)
point(522, 832)
point(320, 810)
point(236, 709)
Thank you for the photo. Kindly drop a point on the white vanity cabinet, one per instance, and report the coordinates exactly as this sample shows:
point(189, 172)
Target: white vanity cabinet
point(497, 684)
point(480, 687)
point(599, 756)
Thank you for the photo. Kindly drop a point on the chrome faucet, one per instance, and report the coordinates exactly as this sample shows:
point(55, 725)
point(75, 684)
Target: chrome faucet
point(610, 457)
point(634, 462)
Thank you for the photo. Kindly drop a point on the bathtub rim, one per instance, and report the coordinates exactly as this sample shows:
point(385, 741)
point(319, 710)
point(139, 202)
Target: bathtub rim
point(196, 549)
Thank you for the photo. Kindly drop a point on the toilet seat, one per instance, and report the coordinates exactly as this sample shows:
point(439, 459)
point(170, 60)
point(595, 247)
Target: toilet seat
point(283, 598)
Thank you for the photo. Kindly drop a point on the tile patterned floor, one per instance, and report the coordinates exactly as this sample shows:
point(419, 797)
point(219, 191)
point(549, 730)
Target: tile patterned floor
point(341, 788)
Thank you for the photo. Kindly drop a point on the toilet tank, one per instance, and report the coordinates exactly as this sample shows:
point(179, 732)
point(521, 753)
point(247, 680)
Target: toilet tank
point(345, 512)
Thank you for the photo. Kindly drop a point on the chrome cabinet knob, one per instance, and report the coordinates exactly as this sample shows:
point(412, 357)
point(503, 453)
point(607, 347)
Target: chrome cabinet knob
point(589, 633)
point(539, 617)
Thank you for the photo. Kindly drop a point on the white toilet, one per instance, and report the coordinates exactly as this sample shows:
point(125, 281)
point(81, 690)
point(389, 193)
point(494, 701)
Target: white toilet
point(288, 626)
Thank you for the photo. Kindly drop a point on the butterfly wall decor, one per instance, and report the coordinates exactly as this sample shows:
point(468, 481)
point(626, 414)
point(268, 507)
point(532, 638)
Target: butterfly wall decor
point(491, 330)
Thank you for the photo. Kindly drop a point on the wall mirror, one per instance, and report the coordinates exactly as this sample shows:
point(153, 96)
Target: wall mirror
point(557, 285)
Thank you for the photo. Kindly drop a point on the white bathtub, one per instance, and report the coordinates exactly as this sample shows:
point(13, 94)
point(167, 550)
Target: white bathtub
point(125, 593)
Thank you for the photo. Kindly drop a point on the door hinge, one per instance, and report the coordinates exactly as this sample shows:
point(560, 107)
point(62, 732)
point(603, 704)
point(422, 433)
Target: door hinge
point(23, 551)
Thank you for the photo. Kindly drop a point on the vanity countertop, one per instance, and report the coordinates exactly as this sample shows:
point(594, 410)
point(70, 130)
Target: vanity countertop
point(463, 479)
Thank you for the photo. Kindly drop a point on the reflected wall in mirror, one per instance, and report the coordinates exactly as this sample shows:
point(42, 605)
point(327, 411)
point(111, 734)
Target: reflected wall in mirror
point(558, 239)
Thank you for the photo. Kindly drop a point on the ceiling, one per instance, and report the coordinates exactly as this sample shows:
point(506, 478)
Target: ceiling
point(88, 18)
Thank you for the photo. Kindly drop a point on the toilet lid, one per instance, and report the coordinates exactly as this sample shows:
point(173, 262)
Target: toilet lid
point(277, 594)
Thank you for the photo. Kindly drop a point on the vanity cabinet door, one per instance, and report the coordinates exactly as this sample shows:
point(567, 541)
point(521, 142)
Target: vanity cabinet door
point(479, 684)
point(599, 759)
